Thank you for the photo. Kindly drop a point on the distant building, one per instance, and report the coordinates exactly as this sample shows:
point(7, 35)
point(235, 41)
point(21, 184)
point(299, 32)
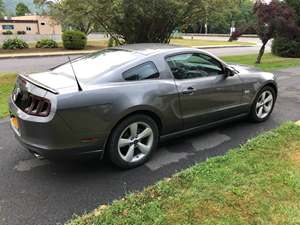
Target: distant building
point(31, 24)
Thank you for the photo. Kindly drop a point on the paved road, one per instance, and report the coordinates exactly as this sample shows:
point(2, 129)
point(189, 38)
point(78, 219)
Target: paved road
point(43, 63)
point(34, 192)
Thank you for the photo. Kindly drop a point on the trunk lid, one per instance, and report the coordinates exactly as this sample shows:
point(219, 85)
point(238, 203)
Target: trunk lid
point(53, 82)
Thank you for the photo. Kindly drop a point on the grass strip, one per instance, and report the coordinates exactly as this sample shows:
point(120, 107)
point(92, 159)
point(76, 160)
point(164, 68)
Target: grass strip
point(258, 183)
point(201, 42)
point(270, 62)
point(7, 81)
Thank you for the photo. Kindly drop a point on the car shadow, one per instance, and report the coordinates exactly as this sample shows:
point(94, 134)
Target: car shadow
point(187, 144)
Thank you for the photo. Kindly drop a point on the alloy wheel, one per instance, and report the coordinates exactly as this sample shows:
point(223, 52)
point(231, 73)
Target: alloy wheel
point(135, 142)
point(264, 104)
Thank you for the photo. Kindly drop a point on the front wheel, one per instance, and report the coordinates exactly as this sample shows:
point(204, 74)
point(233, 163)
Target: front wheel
point(133, 141)
point(263, 105)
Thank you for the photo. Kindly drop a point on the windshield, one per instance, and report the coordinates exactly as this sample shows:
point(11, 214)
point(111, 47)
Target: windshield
point(91, 66)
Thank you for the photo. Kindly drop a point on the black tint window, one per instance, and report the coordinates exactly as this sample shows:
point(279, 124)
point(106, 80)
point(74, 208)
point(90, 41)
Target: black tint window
point(142, 72)
point(187, 66)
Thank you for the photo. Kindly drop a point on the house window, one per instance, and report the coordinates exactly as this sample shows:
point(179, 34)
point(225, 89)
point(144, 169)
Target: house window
point(43, 23)
point(8, 27)
point(28, 28)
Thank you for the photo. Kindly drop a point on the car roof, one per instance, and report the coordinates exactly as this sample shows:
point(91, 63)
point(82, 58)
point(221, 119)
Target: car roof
point(152, 48)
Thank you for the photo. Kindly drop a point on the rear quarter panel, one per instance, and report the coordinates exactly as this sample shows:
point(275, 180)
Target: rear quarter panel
point(96, 112)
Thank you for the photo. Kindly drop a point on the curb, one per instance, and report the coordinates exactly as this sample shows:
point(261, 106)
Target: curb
point(34, 55)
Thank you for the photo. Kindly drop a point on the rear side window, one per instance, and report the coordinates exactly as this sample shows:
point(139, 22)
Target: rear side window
point(142, 72)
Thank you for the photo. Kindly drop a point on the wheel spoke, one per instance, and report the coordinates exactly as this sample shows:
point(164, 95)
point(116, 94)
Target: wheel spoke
point(260, 112)
point(263, 96)
point(268, 99)
point(143, 148)
point(124, 142)
point(129, 155)
point(258, 105)
point(146, 133)
point(267, 108)
point(133, 129)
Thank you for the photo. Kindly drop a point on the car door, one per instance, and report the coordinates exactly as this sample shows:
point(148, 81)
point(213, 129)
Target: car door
point(206, 94)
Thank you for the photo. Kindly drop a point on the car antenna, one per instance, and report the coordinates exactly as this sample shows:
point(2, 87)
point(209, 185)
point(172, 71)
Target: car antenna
point(79, 87)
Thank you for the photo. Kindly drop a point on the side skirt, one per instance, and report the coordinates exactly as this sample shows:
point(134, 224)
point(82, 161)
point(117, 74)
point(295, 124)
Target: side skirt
point(202, 127)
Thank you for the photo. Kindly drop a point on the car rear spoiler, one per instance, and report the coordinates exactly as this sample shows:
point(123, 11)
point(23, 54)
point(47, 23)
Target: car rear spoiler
point(38, 84)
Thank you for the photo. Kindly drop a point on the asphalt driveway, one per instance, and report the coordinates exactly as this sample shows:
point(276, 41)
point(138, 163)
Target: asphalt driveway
point(34, 192)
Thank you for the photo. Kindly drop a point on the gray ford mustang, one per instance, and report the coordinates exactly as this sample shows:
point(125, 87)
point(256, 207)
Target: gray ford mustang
point(122, 101)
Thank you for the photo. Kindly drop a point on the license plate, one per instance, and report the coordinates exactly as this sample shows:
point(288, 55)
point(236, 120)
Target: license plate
point(15, 123)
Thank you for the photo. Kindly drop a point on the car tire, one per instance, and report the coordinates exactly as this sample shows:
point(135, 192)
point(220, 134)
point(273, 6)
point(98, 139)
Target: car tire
point(263, 105)
point(133, 141)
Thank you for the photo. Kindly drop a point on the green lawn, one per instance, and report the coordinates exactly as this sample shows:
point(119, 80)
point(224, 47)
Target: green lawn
point(7, 81)
point(259, 183)
point(270, 62)
point(200, 42)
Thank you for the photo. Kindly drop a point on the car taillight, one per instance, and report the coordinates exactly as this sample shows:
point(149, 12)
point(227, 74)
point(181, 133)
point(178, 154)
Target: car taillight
point(37, 106)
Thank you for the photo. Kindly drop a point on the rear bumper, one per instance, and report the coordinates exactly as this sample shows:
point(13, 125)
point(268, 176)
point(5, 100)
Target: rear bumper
point(60, 153)
point(52, 138)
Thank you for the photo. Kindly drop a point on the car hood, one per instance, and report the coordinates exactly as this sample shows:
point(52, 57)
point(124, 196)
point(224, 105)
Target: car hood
point(246, 72)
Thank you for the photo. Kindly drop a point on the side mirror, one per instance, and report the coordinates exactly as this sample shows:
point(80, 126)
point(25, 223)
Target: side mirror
point(229, 72)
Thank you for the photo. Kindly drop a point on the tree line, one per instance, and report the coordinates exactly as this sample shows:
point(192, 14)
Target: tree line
point(149, 20)
point(20, 10)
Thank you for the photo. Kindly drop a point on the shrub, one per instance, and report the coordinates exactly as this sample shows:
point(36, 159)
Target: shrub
point(46, 43)
point(14, 44)
point(74, 40)
point(285, 47)
point(21, 32)
point(8, 32)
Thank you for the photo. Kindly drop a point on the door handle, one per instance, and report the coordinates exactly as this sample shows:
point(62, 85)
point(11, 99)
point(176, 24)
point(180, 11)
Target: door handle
point(188, 91)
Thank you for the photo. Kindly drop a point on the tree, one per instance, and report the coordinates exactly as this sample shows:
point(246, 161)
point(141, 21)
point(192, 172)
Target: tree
point(204, 12)
point(133, 21)
point(2, 9)
point(149, 20)
point(219, 14)
point(273, 18)
point(77, 15)
point(295, 4)
point(243, 15)
point(287, 44)
point(74, 14)
point(22, 9)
